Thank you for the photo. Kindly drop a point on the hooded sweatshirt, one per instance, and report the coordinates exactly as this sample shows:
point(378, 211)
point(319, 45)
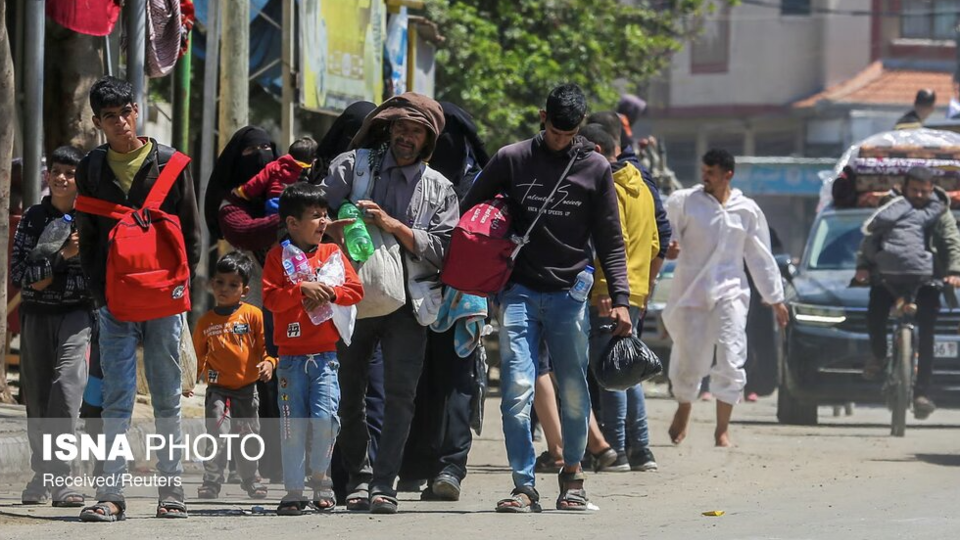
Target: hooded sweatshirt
point(639, 225)
point(584, 214)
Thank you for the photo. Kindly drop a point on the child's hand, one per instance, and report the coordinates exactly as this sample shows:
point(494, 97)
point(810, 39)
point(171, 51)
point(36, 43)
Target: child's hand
point(317, 292)
point(188, 393)
point(266, 370)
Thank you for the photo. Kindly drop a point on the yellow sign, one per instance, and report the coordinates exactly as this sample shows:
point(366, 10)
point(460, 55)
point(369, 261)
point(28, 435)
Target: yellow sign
point(341, 53)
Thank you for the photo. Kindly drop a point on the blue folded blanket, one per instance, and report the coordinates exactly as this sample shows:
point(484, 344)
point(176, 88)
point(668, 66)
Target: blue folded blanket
point(465, 311)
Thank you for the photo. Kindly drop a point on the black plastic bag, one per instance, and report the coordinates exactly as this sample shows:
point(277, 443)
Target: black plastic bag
point(625, 363)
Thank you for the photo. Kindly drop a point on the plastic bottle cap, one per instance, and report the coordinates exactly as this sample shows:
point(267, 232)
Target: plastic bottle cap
point(68, 218)
point(285, 243)
point(590, 269)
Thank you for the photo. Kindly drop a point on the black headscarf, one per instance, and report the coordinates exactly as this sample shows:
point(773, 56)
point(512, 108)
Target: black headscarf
point(233, 169)
point(459, 136)
point(338, 137)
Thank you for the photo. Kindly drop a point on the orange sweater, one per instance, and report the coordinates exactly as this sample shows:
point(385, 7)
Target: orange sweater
point(293, 332)
point(229, 347)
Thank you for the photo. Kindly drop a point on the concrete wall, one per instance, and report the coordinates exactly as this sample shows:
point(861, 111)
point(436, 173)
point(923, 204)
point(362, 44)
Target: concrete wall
point(846, 41)
point(776, 59)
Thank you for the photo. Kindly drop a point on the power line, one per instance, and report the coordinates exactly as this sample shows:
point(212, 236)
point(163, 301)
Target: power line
point(773, 4)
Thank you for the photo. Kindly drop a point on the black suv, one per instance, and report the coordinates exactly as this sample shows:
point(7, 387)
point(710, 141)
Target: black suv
point(827, 341)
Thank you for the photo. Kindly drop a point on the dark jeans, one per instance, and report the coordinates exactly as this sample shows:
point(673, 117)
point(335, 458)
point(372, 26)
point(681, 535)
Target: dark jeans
point(928, 307)
point(440, 436)
point(403, 342)
point(374, 402)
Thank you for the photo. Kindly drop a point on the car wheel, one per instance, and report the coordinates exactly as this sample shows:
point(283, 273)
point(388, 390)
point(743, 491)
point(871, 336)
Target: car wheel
point(794, 412)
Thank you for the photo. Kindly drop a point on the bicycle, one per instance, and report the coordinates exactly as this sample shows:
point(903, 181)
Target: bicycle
point(901, 363)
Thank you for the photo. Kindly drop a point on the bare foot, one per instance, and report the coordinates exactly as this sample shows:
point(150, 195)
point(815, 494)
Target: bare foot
point(678, 429)
point(722, 439)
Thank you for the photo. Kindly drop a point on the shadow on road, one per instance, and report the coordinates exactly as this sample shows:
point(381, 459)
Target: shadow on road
point(945, 460)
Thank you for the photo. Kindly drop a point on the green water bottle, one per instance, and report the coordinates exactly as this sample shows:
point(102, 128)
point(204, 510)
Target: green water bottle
point(356, 236)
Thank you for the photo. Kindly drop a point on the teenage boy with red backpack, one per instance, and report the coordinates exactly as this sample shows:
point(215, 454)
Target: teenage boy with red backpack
point(139, 246)
point(562, 194)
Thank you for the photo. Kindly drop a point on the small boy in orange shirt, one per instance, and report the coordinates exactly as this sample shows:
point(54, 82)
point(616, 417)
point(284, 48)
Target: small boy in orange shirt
point(232, 357)
point(309, 391)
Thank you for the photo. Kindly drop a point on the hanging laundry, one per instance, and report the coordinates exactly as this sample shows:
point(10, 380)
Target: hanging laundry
point(91, 17)
point(164, 36)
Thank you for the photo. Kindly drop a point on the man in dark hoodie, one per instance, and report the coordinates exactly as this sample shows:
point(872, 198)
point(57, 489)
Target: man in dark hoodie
point(581, 215)
point(406, 199)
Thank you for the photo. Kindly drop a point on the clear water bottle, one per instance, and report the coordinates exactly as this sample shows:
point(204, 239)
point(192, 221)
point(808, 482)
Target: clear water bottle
point(53, 237)
point(356, 236)
point(298, 269)
point(581, 287)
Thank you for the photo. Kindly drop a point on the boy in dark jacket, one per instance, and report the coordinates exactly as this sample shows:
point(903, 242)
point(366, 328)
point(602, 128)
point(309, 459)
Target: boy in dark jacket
point(123, 172)
point(56, 320)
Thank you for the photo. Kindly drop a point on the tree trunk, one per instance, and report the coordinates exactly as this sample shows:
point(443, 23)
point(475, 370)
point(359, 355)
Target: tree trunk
point(72, 63)
point(7, 106)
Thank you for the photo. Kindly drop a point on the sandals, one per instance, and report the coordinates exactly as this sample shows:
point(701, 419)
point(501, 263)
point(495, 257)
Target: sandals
point(527, 499)
point(573, 499)
point(34, 495)
point(91, 515)
point(291, 507)
point(359, 500)
point(546, 463)
point(383, 503)
point(254, 489)
point(324, 500)
point(173, 509)
point(209, 490)
point(66, 497)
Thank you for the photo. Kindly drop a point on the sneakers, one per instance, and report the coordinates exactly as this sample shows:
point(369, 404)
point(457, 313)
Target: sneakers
point(923, 407)
point(603, 459)
point(619, 465)
point(643, 460)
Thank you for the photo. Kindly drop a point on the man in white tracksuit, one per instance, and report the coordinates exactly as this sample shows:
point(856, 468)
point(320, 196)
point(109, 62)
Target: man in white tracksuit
point(716, 229)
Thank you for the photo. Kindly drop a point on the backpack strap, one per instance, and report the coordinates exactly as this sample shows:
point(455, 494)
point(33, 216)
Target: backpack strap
point(526, 236)
point(171, 171)
point(90, 205)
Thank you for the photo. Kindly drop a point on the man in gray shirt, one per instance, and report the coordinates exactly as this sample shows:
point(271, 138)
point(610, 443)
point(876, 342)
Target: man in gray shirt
point(417, 206)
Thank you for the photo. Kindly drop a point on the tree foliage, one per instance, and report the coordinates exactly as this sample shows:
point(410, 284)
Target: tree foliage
point(502, 57)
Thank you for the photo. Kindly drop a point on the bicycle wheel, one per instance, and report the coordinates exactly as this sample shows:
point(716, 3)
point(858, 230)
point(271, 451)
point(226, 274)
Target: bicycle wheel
point(902, 376)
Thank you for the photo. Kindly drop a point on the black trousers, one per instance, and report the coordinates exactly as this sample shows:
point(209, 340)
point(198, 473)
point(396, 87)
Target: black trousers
point(403, 342)
point(440, 436)
point(928, 308)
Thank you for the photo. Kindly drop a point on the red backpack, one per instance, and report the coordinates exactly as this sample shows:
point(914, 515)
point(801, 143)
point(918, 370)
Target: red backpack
point(482, 248)
point(479, 259)
point(148, 276)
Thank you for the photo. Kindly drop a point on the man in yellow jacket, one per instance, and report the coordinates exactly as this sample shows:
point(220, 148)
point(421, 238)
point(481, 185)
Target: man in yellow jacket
point(624, 412)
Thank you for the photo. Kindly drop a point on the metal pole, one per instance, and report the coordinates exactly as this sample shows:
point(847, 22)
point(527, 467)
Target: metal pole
point(181, 102)
point(234, 69)
point(136, 49)
point(288, 74)
point(34, 26)
point(207, 142)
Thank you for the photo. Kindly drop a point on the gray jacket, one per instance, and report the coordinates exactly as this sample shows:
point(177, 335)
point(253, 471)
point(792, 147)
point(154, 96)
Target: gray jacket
point(433, 213)
point(895, 237)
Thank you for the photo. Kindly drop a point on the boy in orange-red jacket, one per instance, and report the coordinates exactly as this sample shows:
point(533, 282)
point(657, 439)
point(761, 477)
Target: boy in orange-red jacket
point(307, 371)
point(231, 358)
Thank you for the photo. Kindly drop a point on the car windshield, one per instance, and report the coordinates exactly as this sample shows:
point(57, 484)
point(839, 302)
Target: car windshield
point(835, 241)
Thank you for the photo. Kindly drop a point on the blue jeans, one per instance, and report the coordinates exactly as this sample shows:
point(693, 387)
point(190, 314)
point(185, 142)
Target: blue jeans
point(161, 362)
point(309, 398)
point(624, 412)
point(526, 317)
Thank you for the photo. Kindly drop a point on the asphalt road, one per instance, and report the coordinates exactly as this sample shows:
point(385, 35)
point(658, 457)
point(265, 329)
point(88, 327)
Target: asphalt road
point(845, 479)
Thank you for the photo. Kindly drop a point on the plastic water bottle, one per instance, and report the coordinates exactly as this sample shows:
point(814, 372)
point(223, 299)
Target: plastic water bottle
point(356, 236)
point(298, 269)
point(53, 237)
point(583, 284)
